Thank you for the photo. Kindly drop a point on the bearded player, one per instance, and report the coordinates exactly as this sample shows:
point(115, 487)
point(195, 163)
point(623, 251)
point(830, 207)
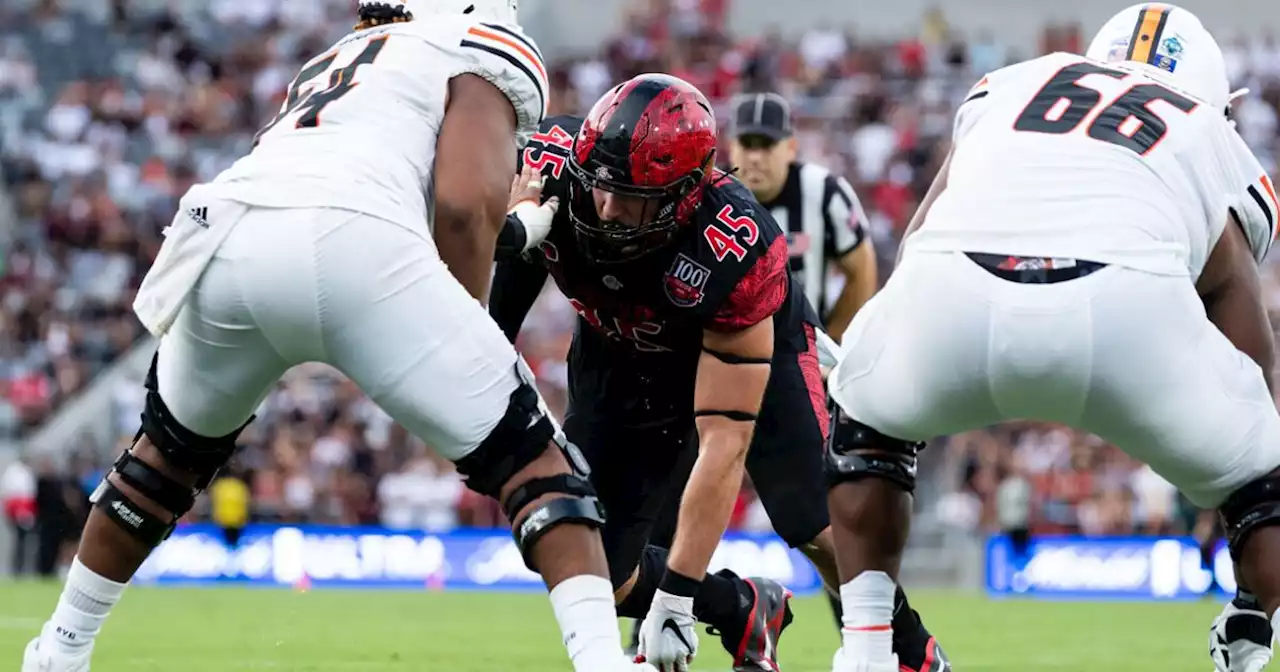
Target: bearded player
point(359, 232)
point(694, 346)
point(1087, 256)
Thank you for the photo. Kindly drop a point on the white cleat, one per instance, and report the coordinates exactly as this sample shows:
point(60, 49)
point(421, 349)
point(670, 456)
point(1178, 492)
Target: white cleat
point(843, 663)
point(1240, 638)
point(49, 659)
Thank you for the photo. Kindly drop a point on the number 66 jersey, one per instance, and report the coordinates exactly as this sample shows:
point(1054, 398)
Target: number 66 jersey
point(1069, 157)
point(358, 128)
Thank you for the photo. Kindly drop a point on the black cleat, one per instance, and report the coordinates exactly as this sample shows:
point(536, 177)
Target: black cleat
point(753, 643)
point(917, 650)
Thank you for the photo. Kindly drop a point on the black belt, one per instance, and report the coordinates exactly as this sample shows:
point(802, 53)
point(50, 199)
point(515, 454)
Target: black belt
point(1034, 270)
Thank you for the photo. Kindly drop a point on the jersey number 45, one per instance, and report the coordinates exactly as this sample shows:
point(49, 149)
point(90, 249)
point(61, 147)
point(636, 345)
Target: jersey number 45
point(1063, 104)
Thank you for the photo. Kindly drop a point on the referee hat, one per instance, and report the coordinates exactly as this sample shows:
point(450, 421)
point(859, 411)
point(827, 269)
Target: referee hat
point(765, 114)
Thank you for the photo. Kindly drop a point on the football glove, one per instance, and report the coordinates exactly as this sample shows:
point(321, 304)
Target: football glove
point(667, 637)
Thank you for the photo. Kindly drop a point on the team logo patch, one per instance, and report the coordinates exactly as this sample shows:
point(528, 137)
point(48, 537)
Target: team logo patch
point(685, 281)
point(1119, 49)
point(603, 173)
point(1167, 53)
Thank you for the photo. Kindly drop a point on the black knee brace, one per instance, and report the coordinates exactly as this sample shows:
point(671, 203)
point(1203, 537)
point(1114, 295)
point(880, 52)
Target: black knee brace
point(1254, 506)
point(856, 451)
point(520, 438)
point(180, 448)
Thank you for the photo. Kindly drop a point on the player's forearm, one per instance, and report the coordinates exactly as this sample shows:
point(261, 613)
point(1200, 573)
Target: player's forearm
point(709, 498)
point(466, 238)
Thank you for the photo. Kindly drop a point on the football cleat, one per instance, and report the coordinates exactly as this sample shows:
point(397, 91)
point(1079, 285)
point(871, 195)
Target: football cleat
point(49, 659)
point(1240, 638)
point(753, 643)
point(917, 650)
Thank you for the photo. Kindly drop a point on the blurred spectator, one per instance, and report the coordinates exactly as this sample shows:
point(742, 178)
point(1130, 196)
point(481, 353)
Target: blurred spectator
point(59, 516)
point(1013, 509)
point(229, 500)
point(18, 501)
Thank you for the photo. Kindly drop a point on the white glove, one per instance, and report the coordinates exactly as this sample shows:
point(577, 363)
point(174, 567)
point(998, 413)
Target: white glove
point(1250, 650)
point(667, 637)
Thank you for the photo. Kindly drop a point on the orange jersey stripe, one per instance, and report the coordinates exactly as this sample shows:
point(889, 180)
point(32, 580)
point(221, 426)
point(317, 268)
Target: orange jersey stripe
point(1271, 193)
point(1147, 33)
point(511, 45)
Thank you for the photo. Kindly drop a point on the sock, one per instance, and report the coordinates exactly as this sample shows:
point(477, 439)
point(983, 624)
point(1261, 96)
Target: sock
point(583, 606)
point(868, 614)
point(718, 602)
point(653, 564)
point(86, 601)
point(836, 608)
point(721, 600)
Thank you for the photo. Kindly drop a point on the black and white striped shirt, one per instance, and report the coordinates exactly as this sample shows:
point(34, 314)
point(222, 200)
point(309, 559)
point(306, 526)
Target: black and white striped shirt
point(824, 221)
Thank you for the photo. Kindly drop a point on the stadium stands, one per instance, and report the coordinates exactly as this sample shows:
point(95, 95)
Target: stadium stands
point(110, 111)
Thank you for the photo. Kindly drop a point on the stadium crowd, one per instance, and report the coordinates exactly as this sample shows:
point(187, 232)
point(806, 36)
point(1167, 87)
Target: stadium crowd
point(99, 140)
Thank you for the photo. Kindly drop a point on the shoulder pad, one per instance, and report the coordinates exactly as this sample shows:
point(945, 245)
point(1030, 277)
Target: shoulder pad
point(745, 253)
point(511, 61)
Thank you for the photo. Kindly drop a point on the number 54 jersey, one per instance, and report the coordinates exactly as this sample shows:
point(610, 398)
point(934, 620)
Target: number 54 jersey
point(359, 126)
point(1067, 157)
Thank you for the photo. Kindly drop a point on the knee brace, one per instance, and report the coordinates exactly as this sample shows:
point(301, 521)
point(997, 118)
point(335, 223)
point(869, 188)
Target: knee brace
point(1254, 506)
point(180, 448)
point(520, 437)
point(856, 451)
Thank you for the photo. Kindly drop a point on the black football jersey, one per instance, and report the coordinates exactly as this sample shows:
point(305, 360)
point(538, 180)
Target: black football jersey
point(726, 270)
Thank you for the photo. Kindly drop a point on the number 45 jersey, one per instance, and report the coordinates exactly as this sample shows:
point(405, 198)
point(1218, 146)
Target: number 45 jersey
point(358, 128)
point(726, 270)
point(1067, 157)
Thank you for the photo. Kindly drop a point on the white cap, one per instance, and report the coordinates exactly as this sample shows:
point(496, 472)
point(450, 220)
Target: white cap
point(1169, 44)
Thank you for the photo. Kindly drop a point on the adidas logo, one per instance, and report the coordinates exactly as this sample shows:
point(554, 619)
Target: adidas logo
point(201, 215)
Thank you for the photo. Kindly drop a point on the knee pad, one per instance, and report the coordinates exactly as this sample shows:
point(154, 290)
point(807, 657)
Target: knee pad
point(1252, 507)
point(856, 451)
point(180, 448)
point(520, 437)
point(201, 455)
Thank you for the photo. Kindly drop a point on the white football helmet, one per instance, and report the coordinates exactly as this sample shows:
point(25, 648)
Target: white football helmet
point(501, 11)
point(1169, 44)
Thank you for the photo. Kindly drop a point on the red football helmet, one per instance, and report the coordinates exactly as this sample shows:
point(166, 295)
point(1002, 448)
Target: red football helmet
point(652, 137)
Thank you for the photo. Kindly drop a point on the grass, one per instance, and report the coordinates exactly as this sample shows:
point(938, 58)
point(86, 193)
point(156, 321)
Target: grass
point(226, 629)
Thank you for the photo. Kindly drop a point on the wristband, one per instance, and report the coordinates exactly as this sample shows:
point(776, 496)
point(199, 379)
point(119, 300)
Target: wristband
point(678, 584)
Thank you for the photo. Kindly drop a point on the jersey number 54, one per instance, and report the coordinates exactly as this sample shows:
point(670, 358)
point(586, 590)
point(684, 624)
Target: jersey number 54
point(341, 81)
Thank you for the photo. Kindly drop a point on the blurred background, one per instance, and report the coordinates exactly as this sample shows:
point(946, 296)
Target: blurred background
point(111, 109)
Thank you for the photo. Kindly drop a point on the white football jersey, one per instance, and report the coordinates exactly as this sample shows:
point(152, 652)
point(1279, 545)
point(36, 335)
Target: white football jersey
point(358, 130)
point(1071, 158)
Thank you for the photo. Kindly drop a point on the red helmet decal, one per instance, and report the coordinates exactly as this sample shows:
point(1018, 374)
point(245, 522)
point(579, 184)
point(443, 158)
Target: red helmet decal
point(674, 137)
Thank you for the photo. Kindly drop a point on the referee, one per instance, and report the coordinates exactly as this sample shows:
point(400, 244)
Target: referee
point(818, 209)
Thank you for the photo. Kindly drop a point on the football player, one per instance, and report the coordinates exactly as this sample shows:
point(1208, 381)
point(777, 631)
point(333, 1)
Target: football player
point(695, 358)
point(359, 232)
point(1088, 256)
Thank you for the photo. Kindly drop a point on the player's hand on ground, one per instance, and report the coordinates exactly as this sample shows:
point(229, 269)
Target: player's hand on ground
point(1240, 639)
point(667, 638)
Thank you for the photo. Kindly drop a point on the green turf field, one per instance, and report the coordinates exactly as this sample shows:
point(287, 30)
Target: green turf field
point(220, 630)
